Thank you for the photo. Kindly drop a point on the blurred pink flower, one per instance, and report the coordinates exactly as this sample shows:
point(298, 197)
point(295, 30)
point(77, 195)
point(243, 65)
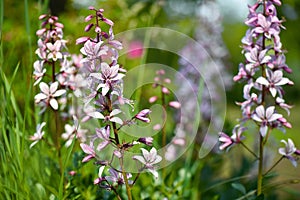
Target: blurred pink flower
point(135, 49)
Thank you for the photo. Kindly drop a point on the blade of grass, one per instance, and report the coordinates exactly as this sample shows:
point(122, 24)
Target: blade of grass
point(67, 158)
point(27, 23)
point(1, 23)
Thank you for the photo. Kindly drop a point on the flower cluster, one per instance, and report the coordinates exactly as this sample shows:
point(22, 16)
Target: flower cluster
point(57, 74)
point(50, 47)
point(103, 99)
point(263, 71)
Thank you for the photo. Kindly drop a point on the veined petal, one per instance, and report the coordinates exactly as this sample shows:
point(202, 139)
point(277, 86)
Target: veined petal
point(96, 75)
point(263, 81)
point(274, 117)
point(282, 151)
point(157, 159)
point(256, 118)
point(270, 111)
point(140, 158)
point(86, 149)
point(53, 87)
point(96, 115)
point(265, 59)
point(283, 81)
point(115, 112)
point(145, 153)
point(118, 77)
point(116, 120)
point(249, 57)
point(102, 145)
point(260, 111)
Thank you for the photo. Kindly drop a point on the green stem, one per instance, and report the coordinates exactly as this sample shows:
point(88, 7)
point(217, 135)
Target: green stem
point(57, 141)
point(163, 131)
point(261, 140)
point(128, 189)
point(248, 149)
point(274, 165)
point(260, 166)
point(116, 193)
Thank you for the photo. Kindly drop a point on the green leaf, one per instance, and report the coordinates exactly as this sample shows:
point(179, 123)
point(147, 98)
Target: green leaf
point(239, 187)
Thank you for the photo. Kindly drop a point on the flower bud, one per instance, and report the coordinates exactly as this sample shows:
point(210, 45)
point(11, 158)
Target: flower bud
point(146, 140)
point(142, 115)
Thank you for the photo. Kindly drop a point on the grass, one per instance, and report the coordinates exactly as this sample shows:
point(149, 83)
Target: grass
point(32, 173)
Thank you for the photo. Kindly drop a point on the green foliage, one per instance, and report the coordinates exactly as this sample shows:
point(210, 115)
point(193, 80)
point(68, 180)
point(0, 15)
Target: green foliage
point(34, 173)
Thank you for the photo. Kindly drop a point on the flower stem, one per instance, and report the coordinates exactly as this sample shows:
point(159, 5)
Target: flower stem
point(163, 131)
point(260, 166)
point(128, 189)
point(249, 150)
point(261, 138)
point(57, 141)
point(274, 165)
point(116, 193)
point(53, 71)
point(109, 103)
point(164, 136)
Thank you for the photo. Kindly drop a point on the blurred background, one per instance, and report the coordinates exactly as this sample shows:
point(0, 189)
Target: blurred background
point(19, 22)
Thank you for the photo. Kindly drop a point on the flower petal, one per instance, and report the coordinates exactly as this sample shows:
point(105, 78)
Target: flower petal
point(115, 112)
point(116, 120)
point(54, 103)
point(59, 93)
point(274, 117)
point(44, 88)
point(263, 81)
point(140, 158)
point(96, 115)
point(263, 130)
point(53, 87)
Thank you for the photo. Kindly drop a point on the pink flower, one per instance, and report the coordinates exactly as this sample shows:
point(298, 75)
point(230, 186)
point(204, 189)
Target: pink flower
point(49, 94)
point(225, 140)
point(175, 104)
point(288, 151)
point(265, 117)
point(111, 117)
point(135, 50)
point(39, 71)
point(142, 115)
point(274, 81)
point(38, 135)
point(149, 159)
point(88, 150)
point(54, 50)
point(108, 77)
